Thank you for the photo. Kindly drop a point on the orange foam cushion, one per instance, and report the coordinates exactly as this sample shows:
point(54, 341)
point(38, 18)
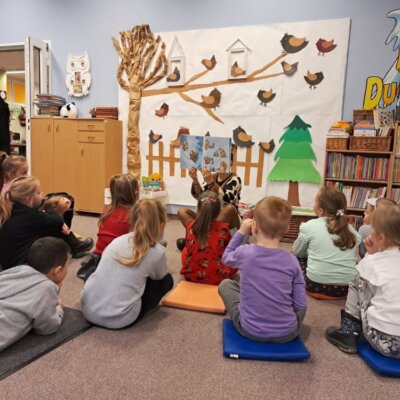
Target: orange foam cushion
point(195, 296)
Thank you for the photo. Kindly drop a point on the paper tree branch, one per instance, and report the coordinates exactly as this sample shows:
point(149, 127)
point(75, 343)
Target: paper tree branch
point(207, 110)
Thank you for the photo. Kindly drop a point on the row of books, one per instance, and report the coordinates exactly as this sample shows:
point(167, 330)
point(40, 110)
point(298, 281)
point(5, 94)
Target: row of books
point(397, 133)
point(396, 170)
point(357, 167)
point(396, 195)
point(356, 221)
point(48, 104)
point(380, 123)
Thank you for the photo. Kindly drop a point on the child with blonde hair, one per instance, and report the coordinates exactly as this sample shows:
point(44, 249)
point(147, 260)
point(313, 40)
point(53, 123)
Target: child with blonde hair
point(329, 243)
point(12, 167)
point(114, 221)
point(269, 303)
point(132, 275)
point(205, 242)
point(373, 301)
point(21, 223)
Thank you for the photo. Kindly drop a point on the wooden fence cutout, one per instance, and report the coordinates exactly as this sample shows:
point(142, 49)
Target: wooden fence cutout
point(171, 159)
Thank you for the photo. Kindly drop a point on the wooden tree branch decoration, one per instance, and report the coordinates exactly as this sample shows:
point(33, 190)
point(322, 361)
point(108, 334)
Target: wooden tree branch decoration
point(138, 50)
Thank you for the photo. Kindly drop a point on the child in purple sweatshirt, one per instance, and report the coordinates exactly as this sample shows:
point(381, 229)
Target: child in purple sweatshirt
point(270, 303)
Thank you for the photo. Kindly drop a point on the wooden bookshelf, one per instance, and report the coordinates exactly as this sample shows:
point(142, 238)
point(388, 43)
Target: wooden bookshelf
point(370, 163)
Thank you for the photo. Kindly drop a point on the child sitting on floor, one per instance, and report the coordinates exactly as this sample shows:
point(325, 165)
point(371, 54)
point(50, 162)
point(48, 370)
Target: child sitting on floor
point(132, 275)
point(114, 221)
point(29, 294)
point(373, 301)
point(269, 303)
point(329, 243)
point(12, 167)
point(206, 240)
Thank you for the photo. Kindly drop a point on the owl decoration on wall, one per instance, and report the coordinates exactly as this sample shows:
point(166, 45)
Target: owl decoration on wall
point(78, 77)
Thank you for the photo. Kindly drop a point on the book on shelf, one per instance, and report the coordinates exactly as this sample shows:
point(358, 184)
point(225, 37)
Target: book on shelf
point(396, 171)
point(396, 195)
point(364, 128)
point(355, 220)
point(383, 117)
point(397, 136)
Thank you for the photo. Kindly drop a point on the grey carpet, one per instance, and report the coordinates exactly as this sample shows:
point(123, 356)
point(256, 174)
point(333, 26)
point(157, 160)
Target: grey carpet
point(177, 354)
point(33, 346)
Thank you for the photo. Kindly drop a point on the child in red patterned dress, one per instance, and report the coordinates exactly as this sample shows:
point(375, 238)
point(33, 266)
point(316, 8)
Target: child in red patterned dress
point(114, 221)
point(205, 242)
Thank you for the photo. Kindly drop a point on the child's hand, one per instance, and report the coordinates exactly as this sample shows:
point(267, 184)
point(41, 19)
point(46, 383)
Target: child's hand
point(60, 303)
point(193, 174)
point(369, 245)
point(65, 230)
point(207, 175)
point(245, 228)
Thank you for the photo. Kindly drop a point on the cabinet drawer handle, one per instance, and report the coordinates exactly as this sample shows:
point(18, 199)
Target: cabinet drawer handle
point(82, 151)
point(49, 128)
point(91, 126)
point(57, 128)
point(91, 137)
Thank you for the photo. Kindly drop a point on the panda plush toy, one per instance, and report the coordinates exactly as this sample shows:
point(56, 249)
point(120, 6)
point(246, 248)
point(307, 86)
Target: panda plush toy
point(69, 110)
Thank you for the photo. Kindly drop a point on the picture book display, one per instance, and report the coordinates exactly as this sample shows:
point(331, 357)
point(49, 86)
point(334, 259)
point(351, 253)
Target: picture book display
point(205, 151)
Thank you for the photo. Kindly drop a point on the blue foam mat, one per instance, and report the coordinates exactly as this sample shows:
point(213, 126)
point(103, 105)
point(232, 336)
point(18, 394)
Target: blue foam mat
point(381, 364)
point(237, 346)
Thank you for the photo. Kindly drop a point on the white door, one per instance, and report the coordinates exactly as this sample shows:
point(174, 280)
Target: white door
point(37, 78)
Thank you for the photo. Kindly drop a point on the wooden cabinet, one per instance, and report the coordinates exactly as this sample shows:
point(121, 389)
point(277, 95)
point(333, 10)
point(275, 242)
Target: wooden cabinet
point(77, 156)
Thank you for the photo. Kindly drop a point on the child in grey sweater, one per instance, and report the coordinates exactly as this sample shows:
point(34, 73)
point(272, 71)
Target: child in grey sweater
point(29, 294)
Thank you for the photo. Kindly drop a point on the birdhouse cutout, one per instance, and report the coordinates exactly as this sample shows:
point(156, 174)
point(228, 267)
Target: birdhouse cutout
point(176, 65)
point(237, 60)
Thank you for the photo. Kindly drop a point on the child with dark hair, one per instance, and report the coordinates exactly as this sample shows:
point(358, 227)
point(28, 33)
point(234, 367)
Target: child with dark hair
point(114, 221)
point(269, 303)
point(29, 293)
point(373, 301)
point(205, 242)
point(327, 246)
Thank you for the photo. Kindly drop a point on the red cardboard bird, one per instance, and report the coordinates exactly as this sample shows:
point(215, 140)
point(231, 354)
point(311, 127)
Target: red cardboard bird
point(325, 46)
point(163, 111)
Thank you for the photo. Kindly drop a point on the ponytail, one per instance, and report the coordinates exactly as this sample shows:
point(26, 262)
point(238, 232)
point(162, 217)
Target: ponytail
point(147, 221)
point(333, 203)
point(208, 208)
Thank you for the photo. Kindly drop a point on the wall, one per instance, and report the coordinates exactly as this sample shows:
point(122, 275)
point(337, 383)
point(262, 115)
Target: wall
point(88, 25)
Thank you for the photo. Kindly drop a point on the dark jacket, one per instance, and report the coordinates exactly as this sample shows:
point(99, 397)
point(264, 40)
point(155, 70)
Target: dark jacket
point(24, 227)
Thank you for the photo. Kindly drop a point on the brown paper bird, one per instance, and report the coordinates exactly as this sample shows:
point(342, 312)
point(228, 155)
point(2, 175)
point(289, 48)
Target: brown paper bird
point(212, 100)
point(236, 70)
point(175, 76)
point(241, 138)
point(154, 137)
point(293, 44)
point(265, 96)
point(325, 46)
point(289, 69)
point(182, 131)
point(268, 147)
point(163, 111)
point(209, 64)
point(314, 79)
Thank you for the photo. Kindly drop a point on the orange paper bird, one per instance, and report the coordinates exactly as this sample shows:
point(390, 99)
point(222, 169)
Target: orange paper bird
point(163, 111)
point(241, 138)
point(325, 46)
point(314, 79)
point(265, 96)
point(292, 44)
point(268, 147)
point(289, 69)
point(154, 137)
point(182, 131)
point(212, 100)
point(209, 64)
point(175, 76)
point(236, 70)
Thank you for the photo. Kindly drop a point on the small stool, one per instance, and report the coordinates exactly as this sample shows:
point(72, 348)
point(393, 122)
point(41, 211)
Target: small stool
point(195, 296)
point(237, 346)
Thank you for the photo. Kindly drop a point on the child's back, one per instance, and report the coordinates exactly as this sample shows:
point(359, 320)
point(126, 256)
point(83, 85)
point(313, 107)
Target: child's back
point(29, 295)
point(206, 240)
point(269, 302)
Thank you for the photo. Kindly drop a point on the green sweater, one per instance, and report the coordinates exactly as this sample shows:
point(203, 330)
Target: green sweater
point(326, 263)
